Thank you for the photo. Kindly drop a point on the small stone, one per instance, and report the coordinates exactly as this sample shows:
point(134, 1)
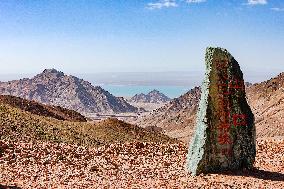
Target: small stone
point(94, 168)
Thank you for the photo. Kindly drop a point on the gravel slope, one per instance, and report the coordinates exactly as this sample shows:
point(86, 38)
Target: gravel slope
point(127, 165)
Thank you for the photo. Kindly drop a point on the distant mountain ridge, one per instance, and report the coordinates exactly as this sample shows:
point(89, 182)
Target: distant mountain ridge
point(55, 88)
point(177, 118)
point(153, 96)
point(267, 102)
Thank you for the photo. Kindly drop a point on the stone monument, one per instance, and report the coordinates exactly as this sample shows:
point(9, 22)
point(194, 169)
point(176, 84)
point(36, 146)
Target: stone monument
point(224, 137)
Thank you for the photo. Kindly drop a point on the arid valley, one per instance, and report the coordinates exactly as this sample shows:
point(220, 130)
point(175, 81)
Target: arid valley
point(141, 94)
point(41, 140)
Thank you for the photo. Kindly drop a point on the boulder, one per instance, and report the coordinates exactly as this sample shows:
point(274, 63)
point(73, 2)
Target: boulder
point(224, 137)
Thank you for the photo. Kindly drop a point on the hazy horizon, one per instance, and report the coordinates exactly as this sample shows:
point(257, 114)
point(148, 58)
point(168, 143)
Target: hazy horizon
point(174, 78)
point(127, 84)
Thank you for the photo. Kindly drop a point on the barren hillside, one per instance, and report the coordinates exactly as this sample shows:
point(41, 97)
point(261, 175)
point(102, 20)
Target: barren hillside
point(177, 118)
point(53, 87)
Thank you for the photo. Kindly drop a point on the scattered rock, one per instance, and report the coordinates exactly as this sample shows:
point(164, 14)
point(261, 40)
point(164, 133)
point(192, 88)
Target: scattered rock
point(129, 167)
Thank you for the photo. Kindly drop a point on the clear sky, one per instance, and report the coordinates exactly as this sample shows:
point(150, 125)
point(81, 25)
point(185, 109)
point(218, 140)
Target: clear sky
point(88, 36)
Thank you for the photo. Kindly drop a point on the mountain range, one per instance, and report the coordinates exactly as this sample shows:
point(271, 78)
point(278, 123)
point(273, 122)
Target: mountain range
point(153, 96)
point(177, 118)
point(55, 88)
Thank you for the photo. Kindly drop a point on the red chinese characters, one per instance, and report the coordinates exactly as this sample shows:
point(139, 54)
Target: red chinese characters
point(224, 138)
point(236, 84)
point(224, 127)
point(239, 120)
point(226, 87)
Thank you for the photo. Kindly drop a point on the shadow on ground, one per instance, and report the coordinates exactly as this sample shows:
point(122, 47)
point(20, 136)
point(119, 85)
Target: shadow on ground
point(8, 187)
point(257, 173)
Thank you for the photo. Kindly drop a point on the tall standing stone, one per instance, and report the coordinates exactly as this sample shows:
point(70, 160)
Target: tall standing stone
point(224, 138)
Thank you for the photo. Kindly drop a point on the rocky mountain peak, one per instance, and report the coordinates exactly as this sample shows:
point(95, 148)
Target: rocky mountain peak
point(153, 96)
point(55, 88)
point(52, 71)
point(281, 75)
point(50, 74)
point(155, 91)
point(267, 88)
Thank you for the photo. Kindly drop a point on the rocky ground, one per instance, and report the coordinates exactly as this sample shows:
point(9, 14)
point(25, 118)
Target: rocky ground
point(127, 165)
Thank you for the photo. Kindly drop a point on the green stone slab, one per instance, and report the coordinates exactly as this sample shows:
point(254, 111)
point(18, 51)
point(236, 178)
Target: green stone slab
point(224, 137)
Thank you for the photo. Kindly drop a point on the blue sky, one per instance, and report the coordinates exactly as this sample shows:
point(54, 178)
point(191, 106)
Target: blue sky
point(90, 36)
